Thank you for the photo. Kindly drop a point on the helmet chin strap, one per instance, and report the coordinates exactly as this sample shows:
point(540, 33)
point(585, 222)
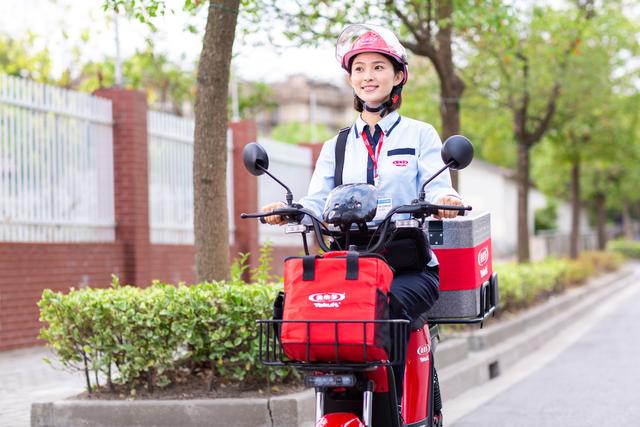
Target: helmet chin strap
point(384, 107)
point(374, 109)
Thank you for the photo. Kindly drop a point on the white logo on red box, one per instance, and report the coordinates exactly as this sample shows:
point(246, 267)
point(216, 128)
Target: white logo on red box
point(483, 256)
point(423, 353)
point(327, 300)
point(423, 349)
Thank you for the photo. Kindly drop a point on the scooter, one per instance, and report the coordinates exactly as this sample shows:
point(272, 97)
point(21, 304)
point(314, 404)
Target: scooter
point(360, 392)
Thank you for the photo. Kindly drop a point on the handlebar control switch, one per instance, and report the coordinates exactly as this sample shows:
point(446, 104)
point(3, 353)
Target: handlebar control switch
point(295, 228)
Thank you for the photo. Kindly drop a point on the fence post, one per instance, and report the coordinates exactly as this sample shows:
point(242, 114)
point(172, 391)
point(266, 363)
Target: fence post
point(131, 188)
point(245, 192)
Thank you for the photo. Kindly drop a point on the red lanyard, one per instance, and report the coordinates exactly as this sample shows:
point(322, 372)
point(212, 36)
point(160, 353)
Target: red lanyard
point(375, 157)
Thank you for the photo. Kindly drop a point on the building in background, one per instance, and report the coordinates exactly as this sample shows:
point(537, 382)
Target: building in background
point(303, 100)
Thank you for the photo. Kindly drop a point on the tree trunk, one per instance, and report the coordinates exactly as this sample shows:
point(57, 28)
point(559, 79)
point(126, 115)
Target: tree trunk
point(626, 221)
point(211, 221)
point(451, 85)
point(600, 201)
point(451, 91)
point(523, 202)
point(575, 207)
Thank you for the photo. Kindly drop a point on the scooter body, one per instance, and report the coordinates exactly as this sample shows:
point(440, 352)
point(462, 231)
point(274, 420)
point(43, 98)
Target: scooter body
point(417, 406)
point(378, 407)
point(363, 394)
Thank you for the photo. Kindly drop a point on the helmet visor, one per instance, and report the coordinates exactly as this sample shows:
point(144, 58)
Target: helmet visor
point(358, 38)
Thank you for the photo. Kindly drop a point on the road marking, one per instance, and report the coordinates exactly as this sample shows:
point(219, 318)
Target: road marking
point(472, 399)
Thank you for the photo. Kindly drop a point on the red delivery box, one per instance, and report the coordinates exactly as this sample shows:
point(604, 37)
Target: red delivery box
point(468, 287)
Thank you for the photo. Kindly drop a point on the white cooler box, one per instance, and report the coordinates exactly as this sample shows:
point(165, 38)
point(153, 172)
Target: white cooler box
point(468, 286)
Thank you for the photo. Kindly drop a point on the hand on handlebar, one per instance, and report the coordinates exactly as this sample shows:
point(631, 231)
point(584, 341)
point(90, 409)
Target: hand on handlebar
point(451, 201)
point(274, 219)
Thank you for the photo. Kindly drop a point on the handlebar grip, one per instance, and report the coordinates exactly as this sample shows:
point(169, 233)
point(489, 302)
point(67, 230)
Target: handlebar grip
point(261, 216)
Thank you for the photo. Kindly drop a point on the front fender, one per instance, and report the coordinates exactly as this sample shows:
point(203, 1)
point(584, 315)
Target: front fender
point(340, 419)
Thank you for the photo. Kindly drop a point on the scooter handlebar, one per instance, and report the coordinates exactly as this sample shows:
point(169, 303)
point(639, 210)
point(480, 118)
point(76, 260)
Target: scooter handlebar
point(297, 213)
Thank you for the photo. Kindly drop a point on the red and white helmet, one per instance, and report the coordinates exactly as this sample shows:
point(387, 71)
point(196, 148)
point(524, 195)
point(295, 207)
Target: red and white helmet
point(360, 38)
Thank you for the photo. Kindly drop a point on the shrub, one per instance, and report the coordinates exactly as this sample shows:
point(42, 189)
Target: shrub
point(523, 284)
point(148, 334)
point(628, 248)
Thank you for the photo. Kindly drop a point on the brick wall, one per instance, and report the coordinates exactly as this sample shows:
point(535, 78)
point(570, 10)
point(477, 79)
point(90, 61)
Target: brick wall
point(28, 269)
point(245, 192)
point(172, 263)
point(130, 148)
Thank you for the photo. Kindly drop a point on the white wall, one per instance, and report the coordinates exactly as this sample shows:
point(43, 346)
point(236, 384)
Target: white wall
point(292, 165)
point(487, 187)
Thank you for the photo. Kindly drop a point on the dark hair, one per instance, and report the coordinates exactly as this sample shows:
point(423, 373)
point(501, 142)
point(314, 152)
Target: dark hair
point(396, 91)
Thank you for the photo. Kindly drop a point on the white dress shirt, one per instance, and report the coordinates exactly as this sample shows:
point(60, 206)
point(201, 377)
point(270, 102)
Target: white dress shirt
point(409, 155)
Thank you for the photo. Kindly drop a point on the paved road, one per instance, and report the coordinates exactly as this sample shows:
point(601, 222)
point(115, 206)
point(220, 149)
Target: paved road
point(593, 381)
point(25, 378)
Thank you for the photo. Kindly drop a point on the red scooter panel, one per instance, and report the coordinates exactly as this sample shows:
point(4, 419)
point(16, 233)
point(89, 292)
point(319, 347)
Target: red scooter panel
point(339, 419)
point(415, 396)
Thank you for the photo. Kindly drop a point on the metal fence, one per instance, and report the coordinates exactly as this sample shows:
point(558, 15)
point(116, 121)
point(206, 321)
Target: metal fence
point(56, 164)
point(171, 179)
point(546, 244)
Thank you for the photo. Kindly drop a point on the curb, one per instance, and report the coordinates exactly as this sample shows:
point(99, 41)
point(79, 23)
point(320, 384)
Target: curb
point(463, 361)
point(294, 410)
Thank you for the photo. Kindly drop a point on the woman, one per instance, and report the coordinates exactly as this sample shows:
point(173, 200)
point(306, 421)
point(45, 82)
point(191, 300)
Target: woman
point(396, 154)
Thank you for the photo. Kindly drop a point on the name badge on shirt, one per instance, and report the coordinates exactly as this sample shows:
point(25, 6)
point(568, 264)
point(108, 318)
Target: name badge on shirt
point(384, 207)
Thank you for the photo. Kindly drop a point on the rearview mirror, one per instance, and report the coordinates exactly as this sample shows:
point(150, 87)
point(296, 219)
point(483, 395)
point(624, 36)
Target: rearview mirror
point(256, 160)
point(457, 152)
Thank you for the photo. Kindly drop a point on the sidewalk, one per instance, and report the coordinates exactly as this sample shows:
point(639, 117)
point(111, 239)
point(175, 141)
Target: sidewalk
point(25, 378)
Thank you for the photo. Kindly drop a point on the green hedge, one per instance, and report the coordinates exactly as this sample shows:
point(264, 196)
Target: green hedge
point(146, 336)
point(629, 248)
point(521, 285)
point(149, 334)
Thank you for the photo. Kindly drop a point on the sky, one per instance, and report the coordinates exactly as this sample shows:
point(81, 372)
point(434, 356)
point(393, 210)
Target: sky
point(48, 19)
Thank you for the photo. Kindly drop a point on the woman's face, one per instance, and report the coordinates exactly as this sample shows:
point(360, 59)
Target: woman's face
point(372, 77)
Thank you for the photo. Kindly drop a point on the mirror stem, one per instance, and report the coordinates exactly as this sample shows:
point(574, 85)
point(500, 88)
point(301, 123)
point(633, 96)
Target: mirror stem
point(422, 194)
point(289, 194)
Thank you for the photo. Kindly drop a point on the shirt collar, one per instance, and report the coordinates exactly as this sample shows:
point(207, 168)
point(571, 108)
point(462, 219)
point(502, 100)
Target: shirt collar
point(387, 123)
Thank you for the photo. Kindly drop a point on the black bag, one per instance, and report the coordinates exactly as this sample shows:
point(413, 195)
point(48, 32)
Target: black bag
point(409, 251)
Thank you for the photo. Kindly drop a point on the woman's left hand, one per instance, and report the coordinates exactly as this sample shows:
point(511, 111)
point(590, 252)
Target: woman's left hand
point(448, 200)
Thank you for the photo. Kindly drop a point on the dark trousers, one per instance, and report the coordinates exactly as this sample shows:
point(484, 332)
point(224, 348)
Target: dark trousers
point(412, 295)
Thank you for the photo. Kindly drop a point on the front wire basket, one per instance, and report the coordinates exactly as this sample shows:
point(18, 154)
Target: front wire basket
point(367, 355)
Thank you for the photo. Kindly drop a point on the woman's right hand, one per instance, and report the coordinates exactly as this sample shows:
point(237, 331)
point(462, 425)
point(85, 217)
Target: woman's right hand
point(274, 219)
